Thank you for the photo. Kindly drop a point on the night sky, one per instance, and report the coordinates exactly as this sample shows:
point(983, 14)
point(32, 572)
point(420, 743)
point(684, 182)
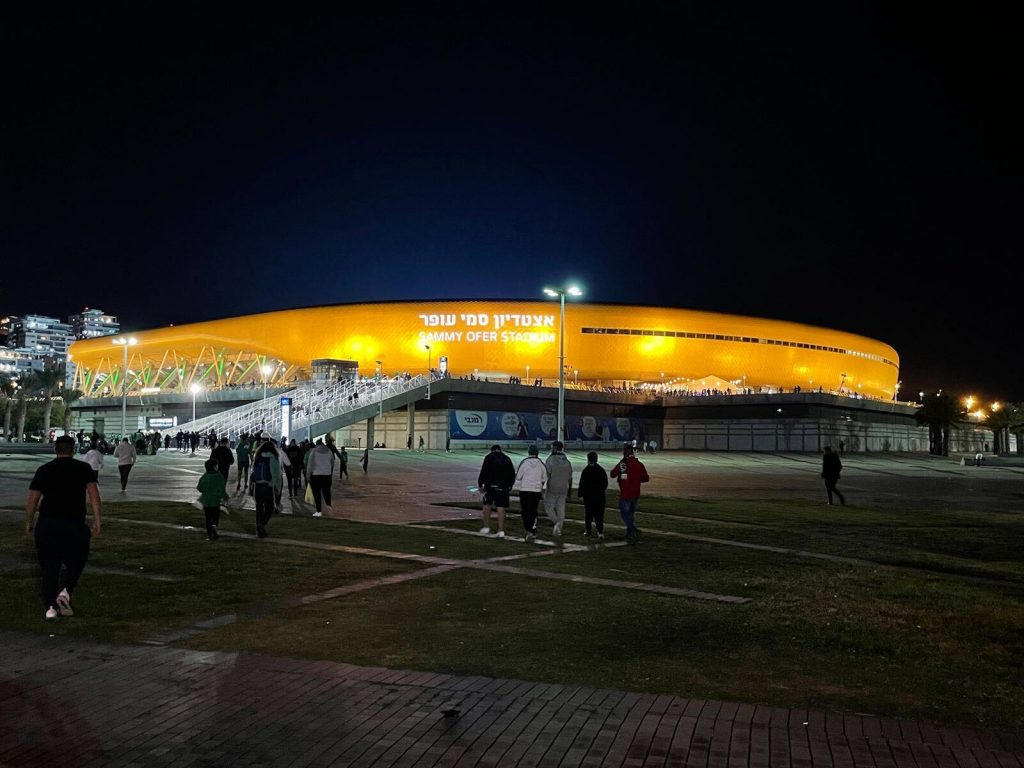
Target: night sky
point(844, 165)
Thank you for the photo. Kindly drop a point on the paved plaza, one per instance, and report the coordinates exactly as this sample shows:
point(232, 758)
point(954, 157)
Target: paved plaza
point(80, 703)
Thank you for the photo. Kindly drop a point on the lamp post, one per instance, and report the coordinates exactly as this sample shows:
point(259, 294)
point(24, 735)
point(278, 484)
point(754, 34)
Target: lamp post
point(380, 392)
point(527, 375)
point(559, 293)
point(427, 347)
point(196, 388)
point(131, 341)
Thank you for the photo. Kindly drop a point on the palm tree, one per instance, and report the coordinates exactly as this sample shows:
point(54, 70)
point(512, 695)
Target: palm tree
point(1002, 420)
point(70, 396)
point(939, 412)
point(25, 385)
point(49, 381)
point(7, 401)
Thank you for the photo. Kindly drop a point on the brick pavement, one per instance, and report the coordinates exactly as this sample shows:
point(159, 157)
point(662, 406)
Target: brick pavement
point(78, 703)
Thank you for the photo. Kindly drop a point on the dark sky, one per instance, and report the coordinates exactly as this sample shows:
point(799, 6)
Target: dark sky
point(844, 165)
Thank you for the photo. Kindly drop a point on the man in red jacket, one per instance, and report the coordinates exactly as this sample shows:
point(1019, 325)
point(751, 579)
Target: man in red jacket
point(630, 472)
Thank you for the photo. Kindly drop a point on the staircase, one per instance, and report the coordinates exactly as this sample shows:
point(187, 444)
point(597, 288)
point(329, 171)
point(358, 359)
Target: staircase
point(316, 408)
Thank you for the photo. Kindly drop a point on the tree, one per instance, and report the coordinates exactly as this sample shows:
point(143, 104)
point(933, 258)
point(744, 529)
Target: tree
point(70, 396)
point(49, 381)
point(27, 384)
point(7, 390)
point(939, 412)
point(1002, 420)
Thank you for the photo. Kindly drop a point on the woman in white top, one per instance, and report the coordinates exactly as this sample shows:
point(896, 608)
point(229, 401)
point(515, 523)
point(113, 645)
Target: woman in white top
point(94, 458)
point(125, 455)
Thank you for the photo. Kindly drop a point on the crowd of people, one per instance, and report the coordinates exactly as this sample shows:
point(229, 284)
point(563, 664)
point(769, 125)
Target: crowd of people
point(550, 481)
point(63, 490)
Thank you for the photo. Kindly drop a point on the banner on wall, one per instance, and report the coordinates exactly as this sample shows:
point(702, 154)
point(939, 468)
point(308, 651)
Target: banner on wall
point(514, 425)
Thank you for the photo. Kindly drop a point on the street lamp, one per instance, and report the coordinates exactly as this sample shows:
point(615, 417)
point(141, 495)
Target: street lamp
point(267, 370)
point(559, 293)
point(131, 341)
point(196, 388)
point(427, 347)
point(527, 375)
point(380, 391)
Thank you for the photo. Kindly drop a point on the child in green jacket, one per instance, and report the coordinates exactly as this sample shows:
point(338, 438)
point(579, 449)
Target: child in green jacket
point(212, 489)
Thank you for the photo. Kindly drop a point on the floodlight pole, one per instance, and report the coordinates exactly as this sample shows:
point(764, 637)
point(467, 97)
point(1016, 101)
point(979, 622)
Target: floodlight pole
point(427, 346)
point(125, 343)
point(560, 293)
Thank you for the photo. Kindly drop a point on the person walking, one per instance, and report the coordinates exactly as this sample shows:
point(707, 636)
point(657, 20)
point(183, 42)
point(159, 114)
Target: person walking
point(287, 471)
point(531, 482)
point(320, 475)
point(559, 486)
point(630, 472)
point(343, 463)
point(831, 466)
point(94, 458)
point(266, 473)
point(126, 455)
point(365, 461)
point(224, 457)
point(213, 490)
point(294, 455)
point(243, 452)
point(58, 492)
point(497, 475)
point(592, 487)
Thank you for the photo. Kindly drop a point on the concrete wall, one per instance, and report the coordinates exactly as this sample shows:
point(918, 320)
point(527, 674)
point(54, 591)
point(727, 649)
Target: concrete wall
point(771, 435)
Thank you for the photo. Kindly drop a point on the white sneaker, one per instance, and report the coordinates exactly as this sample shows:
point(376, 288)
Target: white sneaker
point(557, 530)
point(51, 613)
point(485, 530)
point(499, 535)
point(64, 603)
point(318, 514)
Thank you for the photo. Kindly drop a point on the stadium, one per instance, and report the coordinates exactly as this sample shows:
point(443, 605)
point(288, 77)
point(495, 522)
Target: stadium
point(464, 374)
point(606, 346)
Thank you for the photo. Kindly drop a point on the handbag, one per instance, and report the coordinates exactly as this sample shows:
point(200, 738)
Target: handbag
point(309, 495)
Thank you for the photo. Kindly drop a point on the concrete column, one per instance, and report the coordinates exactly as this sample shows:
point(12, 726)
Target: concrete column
point(369, 431)
point(412, 427)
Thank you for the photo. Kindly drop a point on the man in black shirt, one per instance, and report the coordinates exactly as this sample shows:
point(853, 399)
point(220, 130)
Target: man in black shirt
point(58, 491)
point(224, 457)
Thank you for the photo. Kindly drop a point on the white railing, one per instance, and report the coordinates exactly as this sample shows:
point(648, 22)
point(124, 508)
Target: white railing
point(311, 405)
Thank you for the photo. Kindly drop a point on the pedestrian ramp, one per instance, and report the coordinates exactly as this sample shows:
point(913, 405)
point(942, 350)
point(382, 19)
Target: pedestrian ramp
point(316, 408)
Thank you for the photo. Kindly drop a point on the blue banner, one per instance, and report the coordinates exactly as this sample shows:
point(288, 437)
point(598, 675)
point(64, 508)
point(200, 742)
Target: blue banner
point(511, 425)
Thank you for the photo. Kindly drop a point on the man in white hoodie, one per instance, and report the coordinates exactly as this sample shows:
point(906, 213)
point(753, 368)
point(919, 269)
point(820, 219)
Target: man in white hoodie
point(531, 481)
point(320, 473)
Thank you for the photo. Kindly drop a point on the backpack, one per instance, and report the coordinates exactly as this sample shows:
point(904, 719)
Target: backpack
point(261, 471)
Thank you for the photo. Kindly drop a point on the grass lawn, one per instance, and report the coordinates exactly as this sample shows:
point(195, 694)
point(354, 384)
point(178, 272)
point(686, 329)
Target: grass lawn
point(931, 626)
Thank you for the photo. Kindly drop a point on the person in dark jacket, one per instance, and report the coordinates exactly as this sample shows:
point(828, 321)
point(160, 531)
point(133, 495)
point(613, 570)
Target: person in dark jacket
point(497, 475)
point(592, 486)
point(224, 457)
point(831, 466)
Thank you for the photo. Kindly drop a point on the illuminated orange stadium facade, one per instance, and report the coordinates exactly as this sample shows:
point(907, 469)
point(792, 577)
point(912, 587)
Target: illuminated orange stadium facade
point(605, 345)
